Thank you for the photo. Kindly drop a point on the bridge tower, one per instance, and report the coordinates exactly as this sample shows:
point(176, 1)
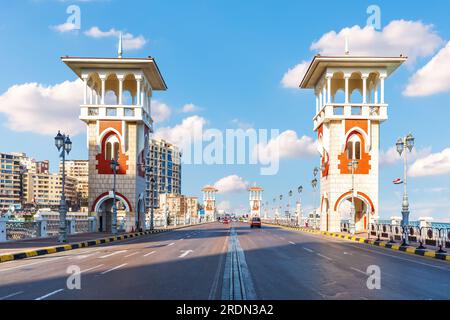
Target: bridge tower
point(255, 198)
point(117, 111)
point(209, 202)
point(350, 106)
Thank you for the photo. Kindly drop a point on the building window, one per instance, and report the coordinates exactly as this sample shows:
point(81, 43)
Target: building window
point(354, 148)
point(112, 148)
point(111, 112)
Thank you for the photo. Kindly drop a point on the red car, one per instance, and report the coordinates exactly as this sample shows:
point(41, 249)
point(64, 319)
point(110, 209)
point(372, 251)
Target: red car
point(226, 221)
point(255, 222)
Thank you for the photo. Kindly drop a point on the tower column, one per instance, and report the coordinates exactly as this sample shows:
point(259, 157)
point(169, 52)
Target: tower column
point(364, 79)
point(138, 91)
point(381, 89)
point(329, 89)
point(103, 78)
point(347, 93)
point(85, 82)
point(120, 89)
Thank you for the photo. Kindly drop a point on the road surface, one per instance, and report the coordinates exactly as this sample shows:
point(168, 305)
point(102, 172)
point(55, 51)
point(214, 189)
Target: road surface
point(216, 261)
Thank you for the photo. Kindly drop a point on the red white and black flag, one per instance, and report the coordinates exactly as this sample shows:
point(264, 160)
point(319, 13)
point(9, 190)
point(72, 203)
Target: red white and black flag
point(398, 181)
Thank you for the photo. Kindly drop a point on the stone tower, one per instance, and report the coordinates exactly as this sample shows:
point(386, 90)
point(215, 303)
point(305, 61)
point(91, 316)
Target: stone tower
point(350, 106)
point(209, 202)
point(255, 199)
point(117, 113)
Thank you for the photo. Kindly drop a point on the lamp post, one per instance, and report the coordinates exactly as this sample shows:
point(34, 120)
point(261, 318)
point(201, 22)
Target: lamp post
point(64, 145)
point(274, 207)
point(314, 186)
point(353, 165)
point(114, 167)
point(402, 143)
point(300, 190)
point(281, 205)
point(289, 205)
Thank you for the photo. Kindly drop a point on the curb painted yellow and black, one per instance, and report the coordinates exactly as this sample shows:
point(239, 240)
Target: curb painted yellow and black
point(79, 245)
point(383, 244)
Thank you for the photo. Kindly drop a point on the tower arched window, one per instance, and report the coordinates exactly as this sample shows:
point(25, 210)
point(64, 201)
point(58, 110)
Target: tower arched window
point(354, 148)
point(112, 146)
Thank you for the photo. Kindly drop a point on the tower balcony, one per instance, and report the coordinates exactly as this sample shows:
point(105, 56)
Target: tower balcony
point(357, 111)
point(93, 112)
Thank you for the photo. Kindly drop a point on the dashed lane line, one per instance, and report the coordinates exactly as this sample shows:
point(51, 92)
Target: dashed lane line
point(113, 254)
point(49, 294)
point(131, 254)
point(115, 268)
point(359, 271)
point(11, 295)
point(150, 253)
point(307, 249)
point(325, 257)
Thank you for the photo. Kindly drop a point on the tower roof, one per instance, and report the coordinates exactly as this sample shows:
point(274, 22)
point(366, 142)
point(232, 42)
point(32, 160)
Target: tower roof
point(147, 65)
point(255, 189)
point(320, 63)
point(209, 188)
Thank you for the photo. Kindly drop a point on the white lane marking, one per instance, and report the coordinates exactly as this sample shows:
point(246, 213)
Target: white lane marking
point(325, 257)
point(171, 244)
point(115, 268)
point(11, 295)
point(291, 242)
point(307, 249)
point(113, 254)
point(100, 265)
point(360, 271)
point(49, 294)
point(131, 254)
point(147, 254)
point(84, 256)
point(31, 264)
point(400, 258)
point(185, 253)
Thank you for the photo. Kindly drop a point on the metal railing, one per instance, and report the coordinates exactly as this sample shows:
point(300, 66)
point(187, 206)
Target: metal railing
point(18, 230)
point(421, 237)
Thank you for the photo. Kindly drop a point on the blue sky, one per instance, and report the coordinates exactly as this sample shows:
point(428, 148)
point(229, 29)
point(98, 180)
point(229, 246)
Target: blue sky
point(229, 58)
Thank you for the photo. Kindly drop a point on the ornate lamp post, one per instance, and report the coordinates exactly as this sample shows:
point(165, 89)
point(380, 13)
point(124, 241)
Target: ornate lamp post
point(289, 205)
point(314, 186)
point(281, 206)
point(114, 167)
point(407, 142)
point(300, 190)
point(64, 145)
point(274, 207)
point(352, 166)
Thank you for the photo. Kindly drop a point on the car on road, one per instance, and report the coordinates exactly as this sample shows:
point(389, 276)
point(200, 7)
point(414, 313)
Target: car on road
point(255, 222)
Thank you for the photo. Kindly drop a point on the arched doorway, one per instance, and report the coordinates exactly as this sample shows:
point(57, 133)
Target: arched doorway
point(363, 209)
point(104, 210)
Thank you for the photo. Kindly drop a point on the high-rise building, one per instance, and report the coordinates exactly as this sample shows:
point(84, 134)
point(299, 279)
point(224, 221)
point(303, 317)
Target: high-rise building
point(10, 181)
point(79, 170)
point(44, 190)
point(166, 159)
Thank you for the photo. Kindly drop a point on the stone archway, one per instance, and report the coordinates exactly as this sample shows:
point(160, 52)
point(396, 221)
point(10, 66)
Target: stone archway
point(103, 209)
point(363, 209)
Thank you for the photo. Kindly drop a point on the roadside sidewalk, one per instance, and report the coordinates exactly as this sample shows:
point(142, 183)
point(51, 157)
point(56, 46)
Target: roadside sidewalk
point(363, 239)
point(17, 250)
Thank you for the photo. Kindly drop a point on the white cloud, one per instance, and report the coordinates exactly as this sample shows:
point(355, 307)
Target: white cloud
point(189, 108)
point(33, 107)
point(183, 134)
point(224, 205)
point(433, 78)
point(432, 165)
point(160, 111)
point(231, 184)
point(294, 76)
point(65, 27)
point(286, 145)
point(130, 42)
point(391, 156)
point(242, 124)
point(410, 38)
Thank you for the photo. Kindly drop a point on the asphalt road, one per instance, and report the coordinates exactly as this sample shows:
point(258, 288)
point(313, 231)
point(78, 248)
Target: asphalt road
point(216, 261)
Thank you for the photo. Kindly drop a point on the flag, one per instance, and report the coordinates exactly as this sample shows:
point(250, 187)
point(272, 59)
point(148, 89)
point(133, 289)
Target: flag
point(398, 181)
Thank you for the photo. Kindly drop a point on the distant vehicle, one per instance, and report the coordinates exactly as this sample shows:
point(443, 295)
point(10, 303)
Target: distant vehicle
point(255, 222)
point(226, 220)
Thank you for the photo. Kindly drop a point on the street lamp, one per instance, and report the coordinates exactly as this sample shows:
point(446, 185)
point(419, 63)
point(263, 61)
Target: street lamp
point(114, 167)
point(407, 142)
point(314, 185)
point(352, 166)
point(64, 145)
point(300, 190)
point(289, 205)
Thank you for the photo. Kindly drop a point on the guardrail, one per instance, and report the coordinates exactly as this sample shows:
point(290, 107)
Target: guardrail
point(422, 237)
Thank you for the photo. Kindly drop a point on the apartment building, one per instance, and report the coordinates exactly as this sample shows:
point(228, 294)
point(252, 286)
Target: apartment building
point(166, 159)
point(10, 181)
point(79, 170)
